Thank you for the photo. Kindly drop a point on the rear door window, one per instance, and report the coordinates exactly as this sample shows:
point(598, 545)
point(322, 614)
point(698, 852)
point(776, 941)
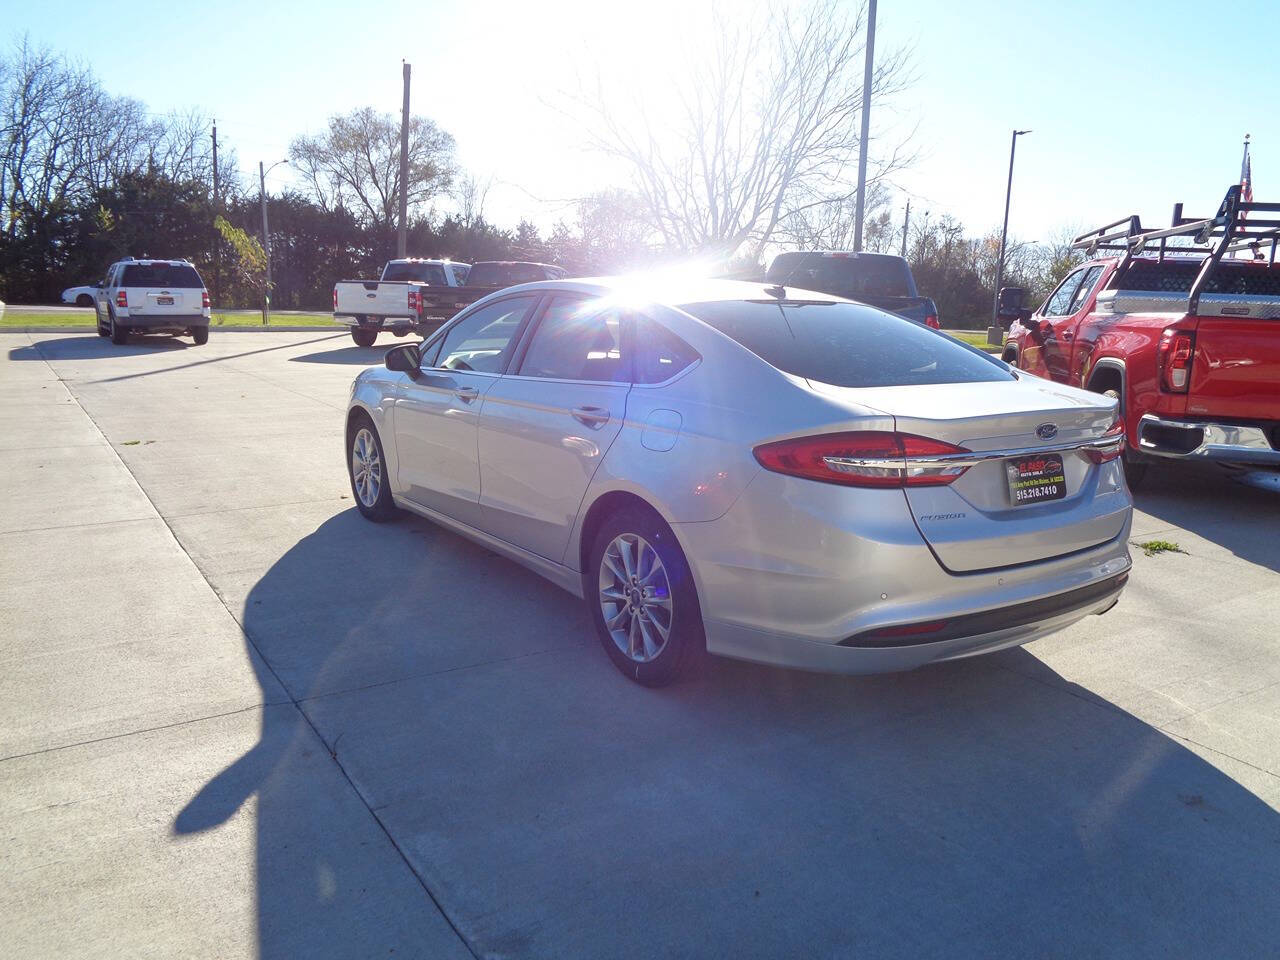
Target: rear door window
point(166, 275)
point(659, 354)
point(848, 344)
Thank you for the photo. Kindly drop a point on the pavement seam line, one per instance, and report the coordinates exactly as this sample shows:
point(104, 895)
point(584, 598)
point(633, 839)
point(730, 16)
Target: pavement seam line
point(140, 731)
point(267, 663)
point(1220, 753)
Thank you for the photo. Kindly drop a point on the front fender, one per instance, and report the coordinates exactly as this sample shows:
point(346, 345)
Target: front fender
point(376, 397)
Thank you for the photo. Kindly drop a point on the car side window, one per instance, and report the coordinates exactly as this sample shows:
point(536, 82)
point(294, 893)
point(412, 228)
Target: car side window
point(482, 340)
point(659, 354)
point(577, 340)
point(1059, 302)
point(1085, 289)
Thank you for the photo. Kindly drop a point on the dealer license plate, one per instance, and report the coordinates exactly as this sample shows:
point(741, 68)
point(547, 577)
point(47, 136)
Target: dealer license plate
point(1036, 479)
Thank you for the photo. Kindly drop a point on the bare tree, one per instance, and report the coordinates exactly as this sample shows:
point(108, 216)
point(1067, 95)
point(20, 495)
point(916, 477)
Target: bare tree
point(472, 192)
point(355, 164)
point(763, 127)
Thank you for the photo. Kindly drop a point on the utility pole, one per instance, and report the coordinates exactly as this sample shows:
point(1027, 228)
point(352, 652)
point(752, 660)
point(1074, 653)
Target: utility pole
point(906, 219)
point(866, 126)
point(403, 239)
point(266, 243)
point(1004, 231)
point(217, 208)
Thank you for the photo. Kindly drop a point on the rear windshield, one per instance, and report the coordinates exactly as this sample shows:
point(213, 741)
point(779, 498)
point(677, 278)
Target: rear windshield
point(847, 344)
point(431, 274)
point(852, 277)
point(504, 274)
point(161, 275)
point(1176, 276)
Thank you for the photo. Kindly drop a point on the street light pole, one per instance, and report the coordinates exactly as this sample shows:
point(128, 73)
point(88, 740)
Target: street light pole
point(1004, 231)
point(266, 236)
point(866, 126)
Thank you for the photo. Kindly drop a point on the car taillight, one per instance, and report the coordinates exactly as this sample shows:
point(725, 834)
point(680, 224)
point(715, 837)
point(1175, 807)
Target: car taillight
point(414, 303)
point(121, 299)
point(1176, 352)
point(868, 458)
point(1115, 432)
point(931, 321)
point(204, 298)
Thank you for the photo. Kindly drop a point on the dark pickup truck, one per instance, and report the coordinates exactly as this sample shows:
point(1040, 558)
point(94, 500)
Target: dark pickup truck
point(877, 279)
point(441, 303)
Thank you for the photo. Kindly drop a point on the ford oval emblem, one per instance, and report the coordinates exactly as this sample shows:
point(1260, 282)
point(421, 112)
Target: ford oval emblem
point(1047, 431)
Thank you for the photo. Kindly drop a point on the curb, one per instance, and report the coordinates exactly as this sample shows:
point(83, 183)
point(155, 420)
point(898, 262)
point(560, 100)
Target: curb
point(336, 328)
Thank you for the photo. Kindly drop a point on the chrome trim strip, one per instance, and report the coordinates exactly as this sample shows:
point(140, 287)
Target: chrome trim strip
point(957, 460)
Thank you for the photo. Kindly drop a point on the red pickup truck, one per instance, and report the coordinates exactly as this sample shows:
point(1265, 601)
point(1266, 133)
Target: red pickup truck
point(1184, 333)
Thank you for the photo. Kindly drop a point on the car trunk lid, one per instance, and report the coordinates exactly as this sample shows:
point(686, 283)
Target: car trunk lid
point(973, 524)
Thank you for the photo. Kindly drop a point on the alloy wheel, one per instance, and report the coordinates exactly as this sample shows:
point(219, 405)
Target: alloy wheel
point(635, 597)
point(366, 467)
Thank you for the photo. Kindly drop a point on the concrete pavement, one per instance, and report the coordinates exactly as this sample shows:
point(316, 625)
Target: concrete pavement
point(239, 720)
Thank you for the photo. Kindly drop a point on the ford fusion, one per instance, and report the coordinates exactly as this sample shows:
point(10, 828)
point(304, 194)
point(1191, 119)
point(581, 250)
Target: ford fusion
point(759, 471)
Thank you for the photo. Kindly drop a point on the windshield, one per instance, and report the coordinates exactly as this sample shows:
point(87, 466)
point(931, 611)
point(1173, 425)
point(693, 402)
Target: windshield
point(855, 277)
point(161, 275)
point(431, 274)
point(847, 344)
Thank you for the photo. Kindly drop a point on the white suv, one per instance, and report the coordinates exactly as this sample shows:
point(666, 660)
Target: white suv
point(152, 296)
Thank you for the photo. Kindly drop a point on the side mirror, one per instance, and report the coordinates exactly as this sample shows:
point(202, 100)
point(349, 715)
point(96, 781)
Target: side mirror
point(405, 358)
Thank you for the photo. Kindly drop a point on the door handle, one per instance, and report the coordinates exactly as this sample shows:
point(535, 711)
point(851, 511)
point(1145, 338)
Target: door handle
point(466, 394)
point(1067, 335)
point(593, 417)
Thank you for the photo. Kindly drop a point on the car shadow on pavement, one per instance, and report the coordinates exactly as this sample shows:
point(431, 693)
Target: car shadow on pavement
point(1217, 506)
point(93, 347)
point(360, 356)
point(552, 808)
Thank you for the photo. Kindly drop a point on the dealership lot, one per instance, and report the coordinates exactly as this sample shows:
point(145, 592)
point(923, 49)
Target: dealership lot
point(236, 718)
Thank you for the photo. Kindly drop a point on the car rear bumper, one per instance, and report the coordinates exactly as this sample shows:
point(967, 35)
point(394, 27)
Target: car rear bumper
point(375, 323)
point(745, 643)
point(174, 321)
point(1230, 443)
point(822, 578)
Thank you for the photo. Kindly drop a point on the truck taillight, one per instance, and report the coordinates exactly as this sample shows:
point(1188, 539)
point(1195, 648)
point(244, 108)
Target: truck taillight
point(335, 299)
point(1106, 454)
point(121, 299)
point(865, 458)
point(931, 321)
point(1176, 352)
point(415, 303)
point(204, 298)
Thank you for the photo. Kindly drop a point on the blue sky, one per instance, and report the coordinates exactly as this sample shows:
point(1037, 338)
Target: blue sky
point(1134, 105)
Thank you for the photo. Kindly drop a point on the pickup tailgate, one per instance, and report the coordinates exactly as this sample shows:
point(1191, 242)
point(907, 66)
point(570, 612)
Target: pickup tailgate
point(913, 308)
point(441, 303)
point(1235, 373)
point(376, 298)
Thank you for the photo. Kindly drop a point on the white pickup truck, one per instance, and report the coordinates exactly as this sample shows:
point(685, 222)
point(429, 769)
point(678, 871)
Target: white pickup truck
point(396, 301)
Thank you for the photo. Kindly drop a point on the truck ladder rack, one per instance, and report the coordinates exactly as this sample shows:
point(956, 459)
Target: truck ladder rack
point(1236, 227)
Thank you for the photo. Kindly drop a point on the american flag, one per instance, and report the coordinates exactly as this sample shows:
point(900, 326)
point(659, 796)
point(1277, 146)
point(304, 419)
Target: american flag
point(1246, 175)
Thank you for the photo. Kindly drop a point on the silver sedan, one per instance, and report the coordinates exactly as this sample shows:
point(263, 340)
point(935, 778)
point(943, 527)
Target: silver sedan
point(759, 472)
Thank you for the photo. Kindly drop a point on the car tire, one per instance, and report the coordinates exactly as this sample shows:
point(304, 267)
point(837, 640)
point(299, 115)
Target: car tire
point(1135, 469)
point(367, 469)
point(363, 337)
point(119, 331)
point(200, 335)
point(84, 300)
point(631, 599)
